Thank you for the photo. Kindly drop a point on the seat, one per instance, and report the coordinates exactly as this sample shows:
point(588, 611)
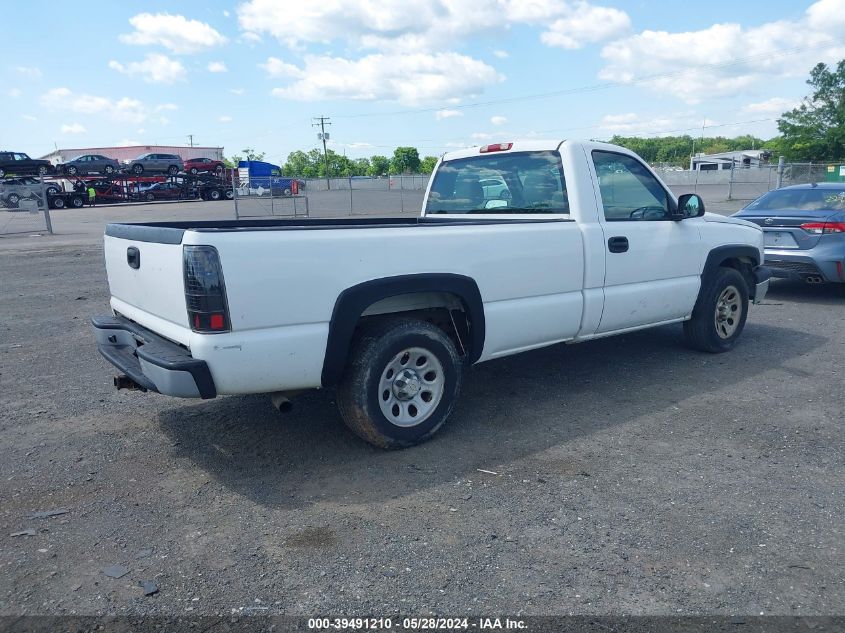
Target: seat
point(540, 189)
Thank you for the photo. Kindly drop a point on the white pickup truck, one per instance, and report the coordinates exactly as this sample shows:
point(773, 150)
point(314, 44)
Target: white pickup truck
point(519, 245)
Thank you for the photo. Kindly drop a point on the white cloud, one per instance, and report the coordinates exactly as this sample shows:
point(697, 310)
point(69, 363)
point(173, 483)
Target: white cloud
point(166, 107)
point(419, 25)
point(447, 114)
point(123, 109)
point(225, 118)
point(498, 120)
point(28, 117)
point(226, 14)
point(664, 124)
point(727, 59)
point(774, 106)
point(29, 71)
point(585, 24)
point(217, 67)
point(236, 91)
point(175, 32)
point(14, 93)
point(501, 54)
point(154, 68)
point(410, 79)
point(481, 136)
point(72, 128)
point(275, 67)
point(127, 142)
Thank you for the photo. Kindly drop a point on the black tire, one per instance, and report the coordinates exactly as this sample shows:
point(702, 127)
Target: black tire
point(194, 171)
point(149, 197)
point(43, 170)
point(714, 326)
point(108, 170)
point(57, 203)
point(230, 195)
point(13, 200)
point(214, 194)
point(71, 170)
point(51, 191)
point(173, 170)
point(370, 359)
point(287, 191)
point(77, 202)
point(137, 169)
point(2, 172)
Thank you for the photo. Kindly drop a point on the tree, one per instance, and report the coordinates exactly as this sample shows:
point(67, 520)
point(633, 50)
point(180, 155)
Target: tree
point(299, 164)
point(251, 154)
point(379, 166)
point(427, 164)
point(405, 160)
point(815, 130)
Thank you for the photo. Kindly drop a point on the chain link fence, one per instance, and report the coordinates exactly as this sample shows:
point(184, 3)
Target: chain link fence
point(742, 184)
point(24, 205)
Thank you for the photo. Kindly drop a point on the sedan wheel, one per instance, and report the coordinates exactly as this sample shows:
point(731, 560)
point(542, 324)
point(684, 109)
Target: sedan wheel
point(137, 169)
point(108, 170)
point(42, 170)
point(71, 170)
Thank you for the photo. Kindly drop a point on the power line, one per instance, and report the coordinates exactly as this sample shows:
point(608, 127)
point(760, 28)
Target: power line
point(601, 86)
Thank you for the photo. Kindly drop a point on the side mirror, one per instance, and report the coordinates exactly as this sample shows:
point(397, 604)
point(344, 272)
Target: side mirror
point(690, 205)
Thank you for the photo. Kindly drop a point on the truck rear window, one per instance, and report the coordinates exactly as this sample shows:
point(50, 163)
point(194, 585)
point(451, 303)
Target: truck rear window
point(517, 182)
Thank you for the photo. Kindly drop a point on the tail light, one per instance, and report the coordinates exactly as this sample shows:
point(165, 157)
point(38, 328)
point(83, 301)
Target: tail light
point(495, 147)
point(820, 228)
point(205, 291)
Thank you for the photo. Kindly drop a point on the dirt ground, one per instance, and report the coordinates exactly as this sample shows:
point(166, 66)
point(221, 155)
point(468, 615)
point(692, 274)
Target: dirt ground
point(627, 475)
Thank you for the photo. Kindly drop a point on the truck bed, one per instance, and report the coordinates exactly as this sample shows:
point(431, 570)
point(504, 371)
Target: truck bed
point(172, 232)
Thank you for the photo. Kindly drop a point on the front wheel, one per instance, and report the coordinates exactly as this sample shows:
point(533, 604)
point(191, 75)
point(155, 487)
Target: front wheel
point(173, 170)
point(42, 170)
point(108, 170)
point(71, 170)
point(137, 169)
point(720, 312)
point(400, 384)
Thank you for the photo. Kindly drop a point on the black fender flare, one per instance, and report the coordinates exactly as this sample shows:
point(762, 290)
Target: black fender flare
point(731, 251)
point(353, 301)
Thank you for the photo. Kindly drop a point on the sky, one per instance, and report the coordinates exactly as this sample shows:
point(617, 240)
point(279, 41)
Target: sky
point(434, 74)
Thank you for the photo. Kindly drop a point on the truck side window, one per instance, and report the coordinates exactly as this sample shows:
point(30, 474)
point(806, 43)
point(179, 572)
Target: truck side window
point(628, 190)
point(517, 182)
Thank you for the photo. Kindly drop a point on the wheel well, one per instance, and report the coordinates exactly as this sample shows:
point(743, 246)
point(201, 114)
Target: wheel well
point(442, 309)
point(449, 301)
point(745, 266)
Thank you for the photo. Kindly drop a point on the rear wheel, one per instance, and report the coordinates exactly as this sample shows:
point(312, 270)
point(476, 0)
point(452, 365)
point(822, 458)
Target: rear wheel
point(137, 169)
point(42, 170)
point(108, 170)
point(287, 191)
point(720, 312)
point(149, 197)
point(400, 384)
point(230, 195)
point(194, 171)
point(214, 194)
point(173, 170)
point(77, 202)
point(13, 199)
point(2, 172)
point(57, 203)
point(71, 170)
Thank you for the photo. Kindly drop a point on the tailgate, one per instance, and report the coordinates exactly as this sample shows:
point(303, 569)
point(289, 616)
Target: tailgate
point(146, 281)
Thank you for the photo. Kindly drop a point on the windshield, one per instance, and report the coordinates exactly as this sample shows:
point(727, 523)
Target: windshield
point(519, 182)
point(817, 199)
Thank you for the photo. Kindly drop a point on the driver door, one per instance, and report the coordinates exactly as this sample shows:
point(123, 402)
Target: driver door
point(652, 262)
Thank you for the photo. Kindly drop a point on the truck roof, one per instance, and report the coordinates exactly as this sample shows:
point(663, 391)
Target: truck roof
point(518, 146)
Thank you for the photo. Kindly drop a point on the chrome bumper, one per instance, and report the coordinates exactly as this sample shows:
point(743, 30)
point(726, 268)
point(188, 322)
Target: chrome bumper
point(763, 276)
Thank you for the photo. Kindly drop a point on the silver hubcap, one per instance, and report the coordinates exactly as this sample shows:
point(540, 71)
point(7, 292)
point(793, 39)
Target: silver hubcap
point(728, 312)
point(411, 387)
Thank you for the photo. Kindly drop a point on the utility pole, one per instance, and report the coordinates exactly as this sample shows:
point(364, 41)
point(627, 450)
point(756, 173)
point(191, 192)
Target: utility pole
point(322, 122)
point(191, 139)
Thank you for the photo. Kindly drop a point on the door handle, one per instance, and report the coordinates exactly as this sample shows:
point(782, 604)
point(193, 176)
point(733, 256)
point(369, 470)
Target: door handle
point(617, 244)
point(133, 257)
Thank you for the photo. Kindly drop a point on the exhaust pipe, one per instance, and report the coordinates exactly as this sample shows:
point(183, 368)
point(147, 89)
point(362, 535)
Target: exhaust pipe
point(282, 400)
point(814, 279)
point(122, 381)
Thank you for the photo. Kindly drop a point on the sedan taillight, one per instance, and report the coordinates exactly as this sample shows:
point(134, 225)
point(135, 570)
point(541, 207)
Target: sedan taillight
point(823, 228)
point(205, 291)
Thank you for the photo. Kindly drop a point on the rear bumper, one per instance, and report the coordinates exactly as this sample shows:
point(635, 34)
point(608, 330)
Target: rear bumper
point(821, 262)
point(151, 362)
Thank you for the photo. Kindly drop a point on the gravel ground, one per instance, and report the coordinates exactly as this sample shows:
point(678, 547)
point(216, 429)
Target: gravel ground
point(627, 475)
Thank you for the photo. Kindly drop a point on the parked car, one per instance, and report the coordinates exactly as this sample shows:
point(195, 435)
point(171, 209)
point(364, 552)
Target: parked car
point(157, 163)
point(107, 190)
point(804, 231)
point(393, 332)
point(163, 191)
point(19, 163)
point(90, 164)
point(34, 183)
point(203, 165)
